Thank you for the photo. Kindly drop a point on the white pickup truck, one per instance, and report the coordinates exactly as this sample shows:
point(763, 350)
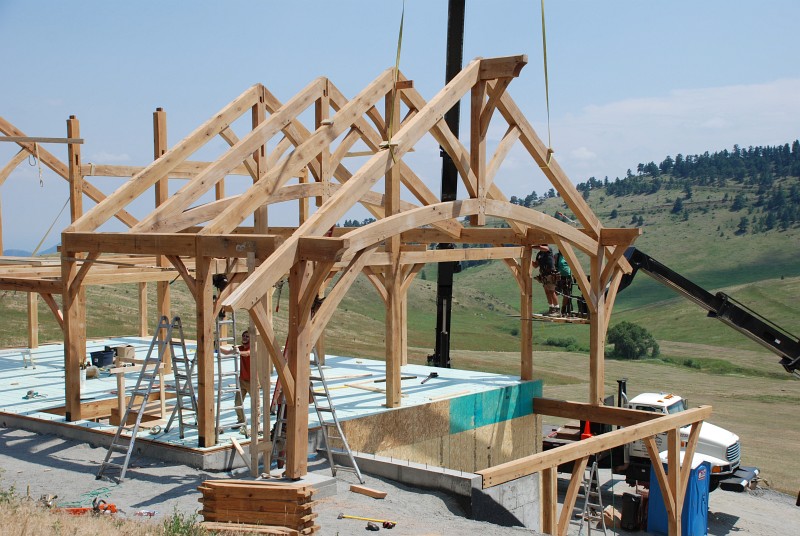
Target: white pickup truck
point(719, 447)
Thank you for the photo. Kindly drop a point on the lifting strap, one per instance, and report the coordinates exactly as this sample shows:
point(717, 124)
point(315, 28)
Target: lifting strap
point(390, 120)
point(546, 90)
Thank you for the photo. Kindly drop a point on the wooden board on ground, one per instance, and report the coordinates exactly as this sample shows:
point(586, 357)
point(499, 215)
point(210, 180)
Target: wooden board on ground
point(369, 492)
point(244, 528)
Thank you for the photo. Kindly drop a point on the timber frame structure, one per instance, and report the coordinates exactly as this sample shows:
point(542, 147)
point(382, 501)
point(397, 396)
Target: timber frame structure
point(198, 240)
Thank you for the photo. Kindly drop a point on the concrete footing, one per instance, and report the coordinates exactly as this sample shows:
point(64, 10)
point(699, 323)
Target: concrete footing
point(514, 503)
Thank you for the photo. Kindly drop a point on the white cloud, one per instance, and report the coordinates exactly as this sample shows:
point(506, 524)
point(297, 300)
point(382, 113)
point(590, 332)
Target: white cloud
point(582, 153)
point(624, 133)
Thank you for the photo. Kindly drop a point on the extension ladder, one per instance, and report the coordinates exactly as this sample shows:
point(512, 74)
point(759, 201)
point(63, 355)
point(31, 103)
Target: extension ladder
point(139, 397)
point(320, 396)
point(592, 510)
point(228, 382)
point(183, 369)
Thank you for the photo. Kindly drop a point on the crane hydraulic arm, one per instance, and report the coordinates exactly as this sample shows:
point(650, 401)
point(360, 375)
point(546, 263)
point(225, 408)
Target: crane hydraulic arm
point(722, 307)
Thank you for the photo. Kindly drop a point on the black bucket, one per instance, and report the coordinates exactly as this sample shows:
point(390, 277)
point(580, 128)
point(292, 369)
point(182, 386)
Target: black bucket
point(102, 358)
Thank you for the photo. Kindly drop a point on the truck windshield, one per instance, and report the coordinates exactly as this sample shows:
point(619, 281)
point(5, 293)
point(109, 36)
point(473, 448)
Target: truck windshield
point(677, 407)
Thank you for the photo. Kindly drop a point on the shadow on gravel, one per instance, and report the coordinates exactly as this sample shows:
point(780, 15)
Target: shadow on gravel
point(720, 523)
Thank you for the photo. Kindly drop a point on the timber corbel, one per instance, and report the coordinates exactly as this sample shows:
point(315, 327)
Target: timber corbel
point(57, 313)
point(336, 294)
point(503, 67)
point(378, 281)
point(190, 281)
point(75, 284)
point(321, 248)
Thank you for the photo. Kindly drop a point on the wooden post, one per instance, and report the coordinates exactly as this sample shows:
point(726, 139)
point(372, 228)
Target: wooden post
point(549, 487)
point(322, 110)
point(162, 194)
point(74, 335)
point(298, 345)
point(73, 298)
point(394, 272)
point(404, 327)
point(33, 320)
point(674, 479)
point(75, 176)
point(303, 201)
point(205, 351)
point(477, 152)
point(143, 309)
point(597, 333)
point(260, 157)
point(526, 314)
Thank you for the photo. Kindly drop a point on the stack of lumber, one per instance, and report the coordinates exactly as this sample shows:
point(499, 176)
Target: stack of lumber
point(260, 507)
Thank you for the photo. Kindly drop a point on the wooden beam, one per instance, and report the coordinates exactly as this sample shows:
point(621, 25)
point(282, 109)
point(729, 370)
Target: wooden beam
point(336, 294)
point(297, 348)
point(43, 286)
point(53, 306)
point(77, 281)
point(503, 67)
point(525, 281)
point(477, 150)
point(34, 139)
point(549, 521)
point(549, 166)
point(575, 481)
point(534, 463)
point(74, 338)
point(163, 301)
point(33, 320)
point(203, 291)
point(142, 294)
point(190, 281)
point(588, 412)
point(661, 476)
point(380, 230)
point(139, 243)
point(321, 248)
point(15, 161)
point(75, 177)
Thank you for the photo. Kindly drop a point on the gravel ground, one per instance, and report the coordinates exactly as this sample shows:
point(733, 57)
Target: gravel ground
point(48, 465)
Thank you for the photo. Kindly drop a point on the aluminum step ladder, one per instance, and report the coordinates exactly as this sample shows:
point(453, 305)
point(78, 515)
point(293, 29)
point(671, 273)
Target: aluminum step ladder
point(228, 381)
point(185, 397)
point(320, 396)
point(122, 445)
point(592, 511)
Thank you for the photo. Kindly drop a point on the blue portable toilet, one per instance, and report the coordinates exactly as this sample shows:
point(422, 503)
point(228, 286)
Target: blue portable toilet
point(694, 518)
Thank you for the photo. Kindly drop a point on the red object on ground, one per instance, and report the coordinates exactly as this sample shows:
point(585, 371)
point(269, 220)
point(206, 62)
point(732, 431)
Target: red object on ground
point(587, 431)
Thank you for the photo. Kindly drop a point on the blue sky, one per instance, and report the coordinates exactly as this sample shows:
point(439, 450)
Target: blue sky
point(630, 81)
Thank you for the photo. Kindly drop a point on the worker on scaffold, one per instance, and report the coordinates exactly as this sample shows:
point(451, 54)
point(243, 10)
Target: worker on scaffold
point(548, 277)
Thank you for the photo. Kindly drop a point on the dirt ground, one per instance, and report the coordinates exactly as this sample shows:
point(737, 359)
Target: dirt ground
point(47, 465)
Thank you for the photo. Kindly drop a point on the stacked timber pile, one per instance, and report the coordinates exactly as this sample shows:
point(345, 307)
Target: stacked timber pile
point(260, 507)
